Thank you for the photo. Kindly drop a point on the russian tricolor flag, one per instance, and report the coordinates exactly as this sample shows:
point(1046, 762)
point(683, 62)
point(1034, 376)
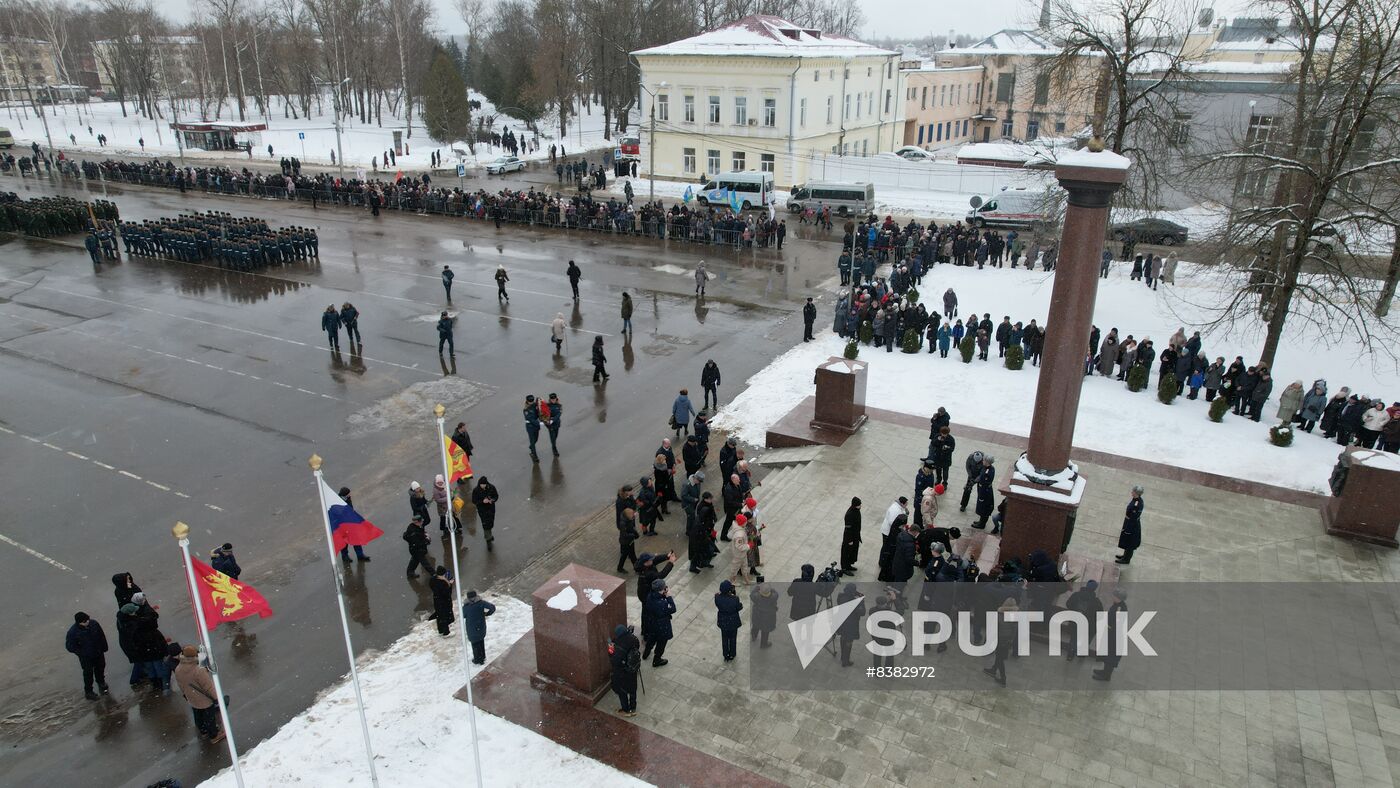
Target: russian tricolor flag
point(347, 526)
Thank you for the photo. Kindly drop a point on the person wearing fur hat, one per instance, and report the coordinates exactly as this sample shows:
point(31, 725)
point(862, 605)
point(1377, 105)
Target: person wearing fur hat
point(727, 607)
point(197, 685)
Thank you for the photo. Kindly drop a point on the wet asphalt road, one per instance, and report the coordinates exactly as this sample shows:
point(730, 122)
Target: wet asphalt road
point(150, 391)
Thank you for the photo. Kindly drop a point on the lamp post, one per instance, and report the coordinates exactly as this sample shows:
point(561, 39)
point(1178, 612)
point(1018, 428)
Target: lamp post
point(651, 167)
point(339, 151)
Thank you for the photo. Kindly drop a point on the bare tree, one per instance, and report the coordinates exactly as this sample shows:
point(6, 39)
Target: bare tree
point(1129, 57)
point(1307, 266)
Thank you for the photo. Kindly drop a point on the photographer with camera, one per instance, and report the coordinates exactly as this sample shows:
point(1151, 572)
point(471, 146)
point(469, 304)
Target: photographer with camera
point(727, 607)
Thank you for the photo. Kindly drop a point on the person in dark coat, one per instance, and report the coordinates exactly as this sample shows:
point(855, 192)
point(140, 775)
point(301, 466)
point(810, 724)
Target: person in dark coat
point(850, 539)
point(973, 466)
point(905, 556)
point(849, 630)
point(709, 382)
point(627, 536)
point(484, 498)
point(985, 480)
point(732, 497)
point(764, 614)
point(475, 611)
point(149, 643)
point(660, 607)
point(691, 456)
point(646, 506)
point(809, 319)
point(1086, 602)
point(441, 586)
point(330, 323)
point(1130, 538)
point(221, 559)
point(652, 568)
point(624, 678)
point(728, 457)
point(923, 479)
point(700, 536)
point(87, 642)
point(599, 361)
point(727, 607)
point(417, 540)
point(126, 641)
point(941, 449)
point(125, 587)
point(1110, 660)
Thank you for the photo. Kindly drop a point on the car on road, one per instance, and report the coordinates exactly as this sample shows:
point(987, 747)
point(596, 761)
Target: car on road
point(1151, 231)
point(504, 164)
point(6, 140)
point(912, 153)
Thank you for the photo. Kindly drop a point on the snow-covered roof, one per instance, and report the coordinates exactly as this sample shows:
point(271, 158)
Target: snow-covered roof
point(766, 36)
point(927, 67)
point(1043, 150)
point(1158, 62)
point(1261, 35)
point(1008, 42)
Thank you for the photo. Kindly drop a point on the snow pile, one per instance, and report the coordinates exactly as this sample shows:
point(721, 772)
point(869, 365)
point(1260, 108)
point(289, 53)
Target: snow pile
point(1111, 419)
point(566, 599)
point(420, 733)
point(414, 405)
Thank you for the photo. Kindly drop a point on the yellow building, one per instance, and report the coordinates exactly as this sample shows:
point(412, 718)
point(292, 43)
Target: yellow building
point(1016, 95)
point(940, 104)
point(766, 94)
point(27, 62)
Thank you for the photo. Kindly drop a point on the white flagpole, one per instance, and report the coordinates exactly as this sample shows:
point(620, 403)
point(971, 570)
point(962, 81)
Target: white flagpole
point(182, 533)
point(438, 411)
point(315, 463)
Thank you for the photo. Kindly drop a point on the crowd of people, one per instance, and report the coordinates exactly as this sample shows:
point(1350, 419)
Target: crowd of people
point(417, 194)
point(44, 217)
point(882, 311)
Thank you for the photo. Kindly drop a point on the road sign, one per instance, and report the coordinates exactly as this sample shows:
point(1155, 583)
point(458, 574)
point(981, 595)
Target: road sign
point(301, 135)
point(461, 170)
point(975, 202)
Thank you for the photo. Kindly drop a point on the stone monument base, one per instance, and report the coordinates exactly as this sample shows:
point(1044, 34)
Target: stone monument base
point(1040, 510)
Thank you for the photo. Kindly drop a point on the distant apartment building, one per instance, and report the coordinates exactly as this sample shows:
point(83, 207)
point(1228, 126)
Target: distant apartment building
point(27, 62)
point(166, 62)
point(940, 104)
point(766, 94)
point(1016, 96)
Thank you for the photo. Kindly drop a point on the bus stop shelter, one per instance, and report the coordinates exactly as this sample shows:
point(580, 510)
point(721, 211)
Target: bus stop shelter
point(219, 135)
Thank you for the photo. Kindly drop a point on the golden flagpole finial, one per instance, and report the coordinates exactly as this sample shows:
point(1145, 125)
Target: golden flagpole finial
point(315, 462)
point(180, 530)
point(438, 410)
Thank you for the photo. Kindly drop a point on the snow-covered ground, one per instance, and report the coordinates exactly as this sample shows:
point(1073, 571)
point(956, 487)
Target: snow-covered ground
point(420, 733)
point(361, 142)
point(1111, 419)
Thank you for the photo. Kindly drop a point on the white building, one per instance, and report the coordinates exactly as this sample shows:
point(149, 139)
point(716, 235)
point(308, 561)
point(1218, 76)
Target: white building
point(766, 94)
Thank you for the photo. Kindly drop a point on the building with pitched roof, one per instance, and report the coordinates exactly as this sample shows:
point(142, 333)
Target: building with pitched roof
point(766, 94)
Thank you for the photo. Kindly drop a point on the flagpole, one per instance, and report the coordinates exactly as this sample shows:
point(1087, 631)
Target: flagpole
point(438, 411)
point(315, 463)
point(182, 533)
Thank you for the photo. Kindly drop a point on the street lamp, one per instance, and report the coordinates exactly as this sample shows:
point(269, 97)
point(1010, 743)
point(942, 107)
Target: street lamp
point(651, 167)
point(339, 151)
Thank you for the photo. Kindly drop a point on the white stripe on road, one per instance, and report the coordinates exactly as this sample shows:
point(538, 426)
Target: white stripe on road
point(7, 540)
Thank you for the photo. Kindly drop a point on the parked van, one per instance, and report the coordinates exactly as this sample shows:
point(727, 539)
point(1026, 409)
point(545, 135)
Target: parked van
point(754, 189)
point(1018, 207)
point(6, 139)
point(844, 199)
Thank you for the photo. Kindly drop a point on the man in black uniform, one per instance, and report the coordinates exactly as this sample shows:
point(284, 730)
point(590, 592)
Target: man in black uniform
point(809, 317)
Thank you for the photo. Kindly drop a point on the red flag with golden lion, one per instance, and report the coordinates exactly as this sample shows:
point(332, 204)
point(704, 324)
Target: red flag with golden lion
point(225, 599)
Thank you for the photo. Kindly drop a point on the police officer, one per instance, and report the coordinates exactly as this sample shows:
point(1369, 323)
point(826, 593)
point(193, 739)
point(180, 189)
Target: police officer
point(330, 323)
point(444, 328)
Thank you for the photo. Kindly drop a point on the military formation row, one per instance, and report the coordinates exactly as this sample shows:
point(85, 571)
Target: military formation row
point(233, 242)
point(45, 217)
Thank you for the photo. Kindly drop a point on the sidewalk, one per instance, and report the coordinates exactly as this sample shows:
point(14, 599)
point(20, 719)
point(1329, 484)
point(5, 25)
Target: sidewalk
point(1121, 738)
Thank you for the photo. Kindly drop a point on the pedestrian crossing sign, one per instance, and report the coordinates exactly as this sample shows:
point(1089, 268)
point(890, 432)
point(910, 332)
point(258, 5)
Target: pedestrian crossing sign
point(461, 170)
point(301, 135)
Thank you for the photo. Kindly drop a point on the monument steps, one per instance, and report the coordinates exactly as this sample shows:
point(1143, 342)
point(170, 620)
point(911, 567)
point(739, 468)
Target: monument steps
point(783, 458)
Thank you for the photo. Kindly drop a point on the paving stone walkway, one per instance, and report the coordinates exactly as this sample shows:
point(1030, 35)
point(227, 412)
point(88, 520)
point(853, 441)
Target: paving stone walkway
point(966, 738)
